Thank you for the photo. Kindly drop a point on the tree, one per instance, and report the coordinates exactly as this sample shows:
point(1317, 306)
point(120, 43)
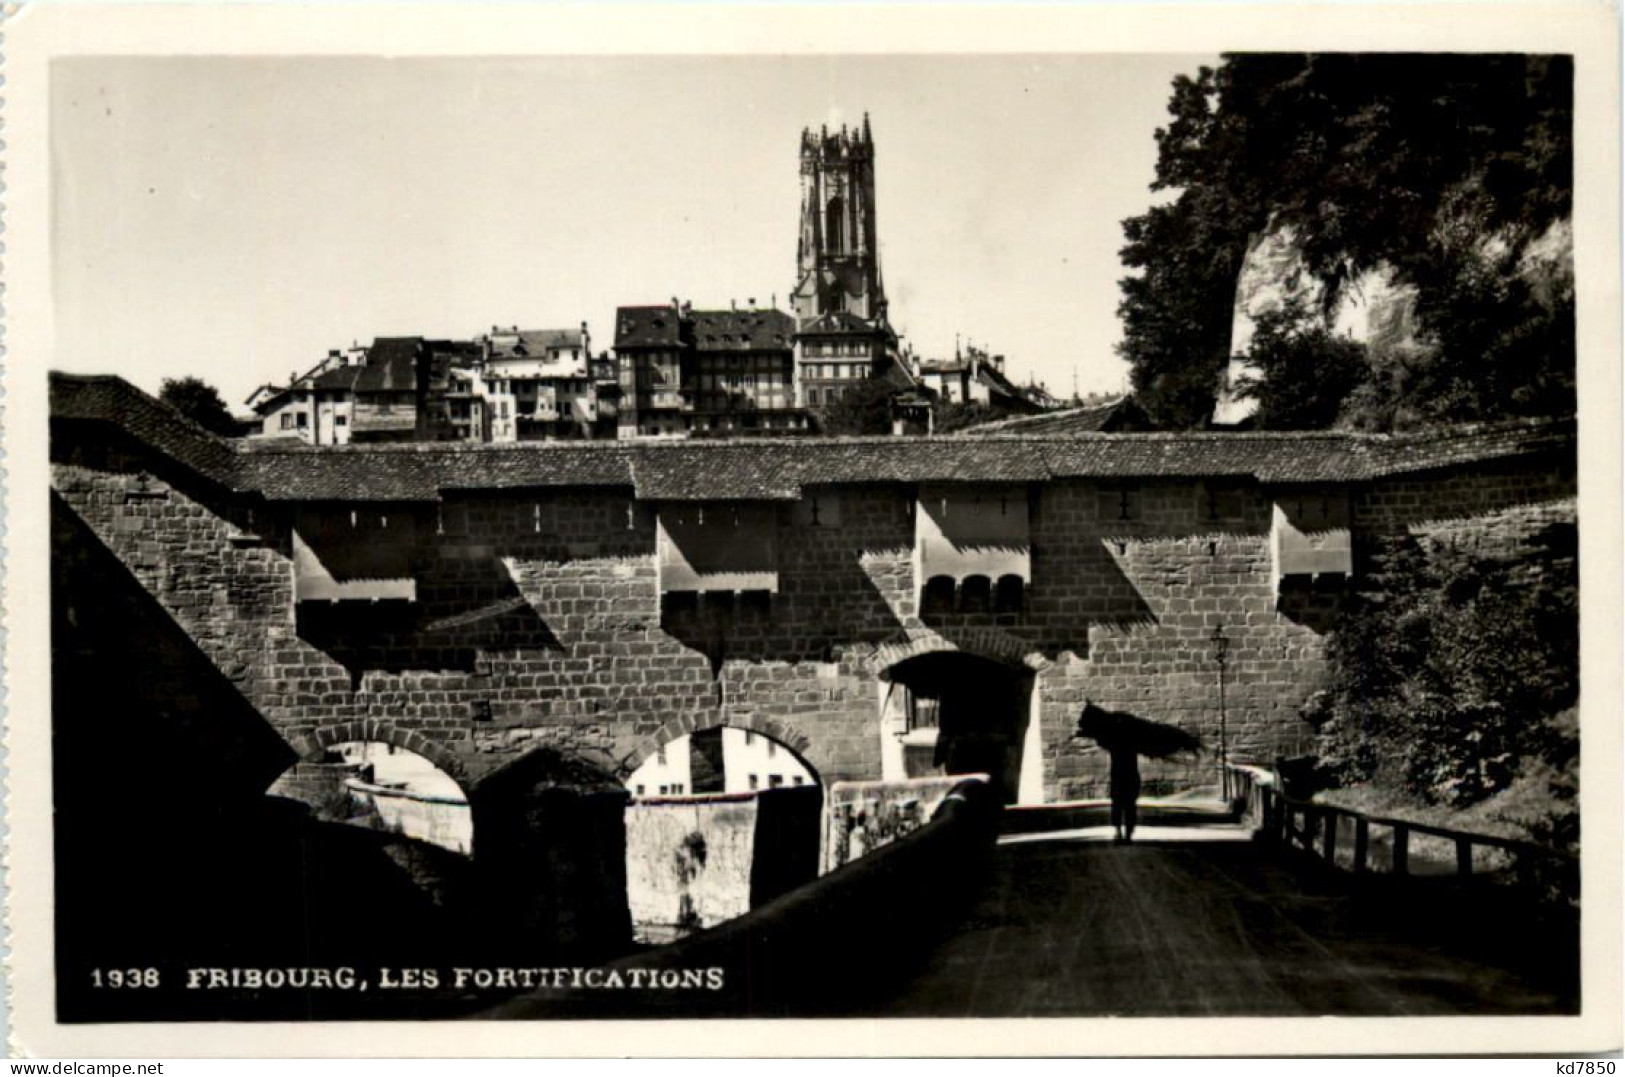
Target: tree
point(863, 408)
point(1177, 310)
point(1452, 674)
point(1449, 170)
point(1305, 373)
point(199, 401)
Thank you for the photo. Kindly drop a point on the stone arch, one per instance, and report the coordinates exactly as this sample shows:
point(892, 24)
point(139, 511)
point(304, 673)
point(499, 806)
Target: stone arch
point(312, 744)
point(993, 644)
point(799, 743)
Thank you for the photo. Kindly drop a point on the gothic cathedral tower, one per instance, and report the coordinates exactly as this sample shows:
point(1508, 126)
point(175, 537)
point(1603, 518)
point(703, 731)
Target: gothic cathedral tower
point(838, 261)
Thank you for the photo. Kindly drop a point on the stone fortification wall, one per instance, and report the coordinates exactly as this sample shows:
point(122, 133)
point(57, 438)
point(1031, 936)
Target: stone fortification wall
point(539, 619)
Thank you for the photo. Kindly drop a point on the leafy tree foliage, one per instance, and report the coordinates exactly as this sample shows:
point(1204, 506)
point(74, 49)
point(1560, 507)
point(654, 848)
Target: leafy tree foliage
point(1457, 674)
point(1305, 373)
point(863, 408)
point(199, 401)
point(1445, 168)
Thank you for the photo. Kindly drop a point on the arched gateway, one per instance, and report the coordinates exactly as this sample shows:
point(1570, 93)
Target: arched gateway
point(946, 710)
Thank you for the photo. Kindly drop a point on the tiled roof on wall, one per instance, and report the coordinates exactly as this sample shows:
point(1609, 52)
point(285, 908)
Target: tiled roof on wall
point(777, 469)
point(111, 400)
point(1084, 419)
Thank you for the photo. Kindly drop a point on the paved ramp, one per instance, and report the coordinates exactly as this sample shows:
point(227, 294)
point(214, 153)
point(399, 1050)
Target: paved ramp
point(1202, 922)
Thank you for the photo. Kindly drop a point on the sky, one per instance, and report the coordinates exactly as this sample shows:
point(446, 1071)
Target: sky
point(234, 218)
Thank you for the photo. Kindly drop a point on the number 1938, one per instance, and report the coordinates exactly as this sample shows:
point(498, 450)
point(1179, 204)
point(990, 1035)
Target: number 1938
point(124, 977)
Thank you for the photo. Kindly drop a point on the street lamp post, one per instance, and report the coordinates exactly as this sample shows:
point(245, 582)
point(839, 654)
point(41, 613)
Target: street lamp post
point(1221, 650)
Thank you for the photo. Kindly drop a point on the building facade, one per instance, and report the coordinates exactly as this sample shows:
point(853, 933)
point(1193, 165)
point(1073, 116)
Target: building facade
point(316, 407)
point(649, 346)
point(537, 385)
point(740, 374)
point(686, 372)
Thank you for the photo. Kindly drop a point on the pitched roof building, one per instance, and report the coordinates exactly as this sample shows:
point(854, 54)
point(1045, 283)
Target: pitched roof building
point(705, 372)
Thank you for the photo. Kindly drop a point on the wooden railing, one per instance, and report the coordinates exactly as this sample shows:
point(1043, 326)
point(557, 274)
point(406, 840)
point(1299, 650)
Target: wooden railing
point(1326, 831)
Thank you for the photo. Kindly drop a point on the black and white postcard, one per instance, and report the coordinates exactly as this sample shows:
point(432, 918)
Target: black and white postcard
point(547, 531)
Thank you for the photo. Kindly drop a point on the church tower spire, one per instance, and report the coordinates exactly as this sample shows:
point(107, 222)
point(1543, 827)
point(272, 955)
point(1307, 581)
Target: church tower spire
point(838, 259)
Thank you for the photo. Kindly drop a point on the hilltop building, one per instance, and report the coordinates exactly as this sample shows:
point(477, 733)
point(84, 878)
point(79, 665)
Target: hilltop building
point(537, 385)
point(316, 415)
point(842, 334)
point(675, 371)
point(705, 372)
point(391, 390)
point(973, 376)
point(788, 586)
point(838, 257)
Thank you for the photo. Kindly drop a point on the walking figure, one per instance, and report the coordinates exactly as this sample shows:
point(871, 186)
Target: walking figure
point(1125, 738)
point(1125, 790)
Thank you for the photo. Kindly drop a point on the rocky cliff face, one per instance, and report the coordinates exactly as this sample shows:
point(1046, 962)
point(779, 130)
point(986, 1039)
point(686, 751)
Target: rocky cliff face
point(1377, 309)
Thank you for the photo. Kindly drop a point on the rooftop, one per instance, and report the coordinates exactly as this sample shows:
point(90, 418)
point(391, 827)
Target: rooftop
point(531, 343)
point(778, 468)
point(837, 322)
point(1085, 419)
point(648, 327)
point(761, 330)
point(391, 366)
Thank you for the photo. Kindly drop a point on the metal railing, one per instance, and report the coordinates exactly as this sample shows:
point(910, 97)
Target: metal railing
point(1326, 830)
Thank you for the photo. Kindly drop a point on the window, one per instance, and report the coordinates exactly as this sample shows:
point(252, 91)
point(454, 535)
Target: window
point(287, 421)
point(303, 420)
point(834, 219)
point(796, 779)
point(640, 790)
point(1008, 594)
point(1119, 503)
point(774, 781)
point(772, 749)
point(922, 713)
point(340, 420)
point(660, 755)
point(976, 594)
point(755, 782)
